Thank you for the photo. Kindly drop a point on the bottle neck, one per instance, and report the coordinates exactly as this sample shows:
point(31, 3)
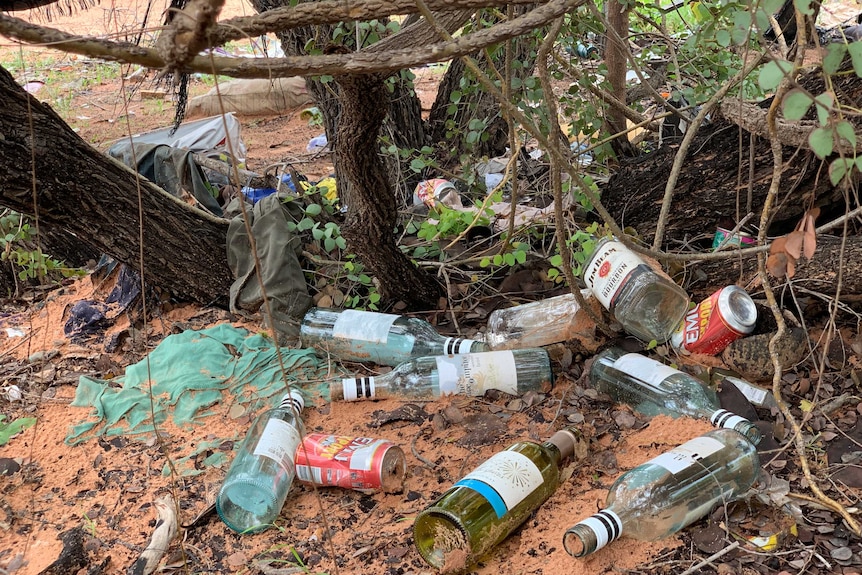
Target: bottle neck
point(292, 401)
point(562, 444)
point(729, 420)
point(593, 533)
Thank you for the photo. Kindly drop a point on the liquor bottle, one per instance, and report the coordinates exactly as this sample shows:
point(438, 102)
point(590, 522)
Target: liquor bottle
point(668, 493)
point(648, 305)
point(489, 503)
point(382, 338)
point(755, 394)
point(652, 387)
point(260, 476)
point(538, 323)
point(514, 372)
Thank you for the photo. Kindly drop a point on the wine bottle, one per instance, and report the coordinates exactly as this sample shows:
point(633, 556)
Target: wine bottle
point(651, 387)
point(538, 323)
point(648, 305)
point(514, 372)
point(257, 482)
point(668, 493)
point(489, 503)
point(382, 338)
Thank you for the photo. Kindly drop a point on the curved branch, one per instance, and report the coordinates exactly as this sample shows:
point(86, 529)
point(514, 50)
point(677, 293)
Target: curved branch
point(334, 64)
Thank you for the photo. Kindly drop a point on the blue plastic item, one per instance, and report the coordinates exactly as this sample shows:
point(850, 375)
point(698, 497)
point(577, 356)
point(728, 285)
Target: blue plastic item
point(254, 195)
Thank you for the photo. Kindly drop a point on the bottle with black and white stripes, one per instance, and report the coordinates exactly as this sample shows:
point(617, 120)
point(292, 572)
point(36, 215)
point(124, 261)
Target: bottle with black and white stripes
point(381, 338)
point(670, 492)
point(652, 388)
point(513, 371)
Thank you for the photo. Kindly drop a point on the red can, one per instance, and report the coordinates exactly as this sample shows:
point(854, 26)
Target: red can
point(726, 315)
point(359, 463)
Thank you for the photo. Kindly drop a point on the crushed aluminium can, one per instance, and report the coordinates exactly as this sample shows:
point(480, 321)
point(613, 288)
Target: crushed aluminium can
point(359, 463)
point(726, 315)
point(430, 192)
point(738, 239)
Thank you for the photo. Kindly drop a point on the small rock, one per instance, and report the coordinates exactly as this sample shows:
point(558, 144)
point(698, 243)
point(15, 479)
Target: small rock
point(842, 554)
point(453, 414)
point(624, 419)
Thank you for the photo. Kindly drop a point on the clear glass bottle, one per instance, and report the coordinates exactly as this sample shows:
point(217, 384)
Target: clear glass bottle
point(381, 338)
point(648, 305)
point(489, 503)
point(668, 493)
point(538, 323)
point(262, 472)
point(651, 387)
point(514, 372)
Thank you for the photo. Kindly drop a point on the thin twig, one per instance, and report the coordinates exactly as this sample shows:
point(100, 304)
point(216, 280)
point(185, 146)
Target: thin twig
point(711, 558)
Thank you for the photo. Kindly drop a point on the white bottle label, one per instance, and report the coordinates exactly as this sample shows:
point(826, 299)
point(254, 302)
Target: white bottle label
point(647, 370)
point(474, 373)
point(688, 454)
point(278, 442)
point(354, 388)
point(363, 326)
point(504, 480)
point(609, 269)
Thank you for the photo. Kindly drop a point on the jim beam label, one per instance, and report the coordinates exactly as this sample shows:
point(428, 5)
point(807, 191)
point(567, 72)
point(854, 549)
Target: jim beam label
point(363, 326)
point(609, 270)
point(504, 480)
point(341, 461)
point(688, 454)
point(474, 373)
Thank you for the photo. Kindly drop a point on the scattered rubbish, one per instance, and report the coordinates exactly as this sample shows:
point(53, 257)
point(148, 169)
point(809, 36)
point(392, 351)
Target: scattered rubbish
point(651, 387)
point(648, 305)
point(33, 86)
point(317, 144)
point(430, 192)
point(360, 463)
point(13, 393)
point(669, 492)
point(541, 323)
point(513, 371)
point(160, 542)
point(723, 317)
point(254, 195)
point(725, 237)
point(753, 393)
point(764, 527)
point(14, 332)
point(382, 338)
point(257, 482)
point(489, 503)
point(252, 97)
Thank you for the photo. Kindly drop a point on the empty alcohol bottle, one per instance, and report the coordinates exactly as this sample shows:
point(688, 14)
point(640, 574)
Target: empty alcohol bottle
point(489, 503)
point(651, 387)
point(538, 323)
point(512, 371)
point(668, 493)
point(648, 305)
point(262, 472)
point(382, 338)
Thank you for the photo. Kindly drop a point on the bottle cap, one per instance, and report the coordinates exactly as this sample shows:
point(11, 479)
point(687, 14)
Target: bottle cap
point(565, 440)
point(592, 533)
point(293, 399)
point(729, 420)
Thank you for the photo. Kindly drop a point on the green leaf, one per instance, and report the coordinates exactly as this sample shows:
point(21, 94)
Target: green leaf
point(520, 257)
point(455, 96)
point(773, 72)
point(317, 233)
point(824, 106)
point(820, 141)
point(417, 164)
point(771, 6)
point(484, 262)
point(839, 169)
point(341, 243)
point(804, 6)
point(845, 130)
point(722, 38)
point(556, 260)
point(498, 259)
point(796, 104)
point(855, 50)
point(834, 56)
point(7, 430)
point(313, 209)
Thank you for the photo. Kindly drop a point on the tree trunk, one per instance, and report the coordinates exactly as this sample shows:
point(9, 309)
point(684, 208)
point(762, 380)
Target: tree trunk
point(92, 196)
point(372, 214)
point(616, 61)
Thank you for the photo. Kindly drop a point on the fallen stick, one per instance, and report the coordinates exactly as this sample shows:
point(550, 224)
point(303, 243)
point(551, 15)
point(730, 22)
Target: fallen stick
point(165, 531)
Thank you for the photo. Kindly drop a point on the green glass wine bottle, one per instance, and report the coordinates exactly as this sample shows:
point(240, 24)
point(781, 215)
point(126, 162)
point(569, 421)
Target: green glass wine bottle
point(489, 503)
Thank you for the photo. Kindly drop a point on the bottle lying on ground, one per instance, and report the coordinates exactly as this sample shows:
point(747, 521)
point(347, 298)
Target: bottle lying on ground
point(489, 503)
point(647, 304)
point(514, 372)
point(668, 493)
point(538, 323)
point(381, 338)
point(257, 482)
point(651, 387)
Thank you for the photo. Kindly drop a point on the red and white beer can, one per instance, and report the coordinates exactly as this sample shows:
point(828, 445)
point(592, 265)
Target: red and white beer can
point(359, 463)
point(726, 315)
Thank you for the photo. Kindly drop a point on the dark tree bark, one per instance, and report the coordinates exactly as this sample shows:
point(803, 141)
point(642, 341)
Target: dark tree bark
point(616, 61)
point(88, 194)
point(370, 221)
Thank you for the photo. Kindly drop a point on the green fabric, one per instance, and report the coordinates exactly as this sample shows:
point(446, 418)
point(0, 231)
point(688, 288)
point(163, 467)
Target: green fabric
point(189, 373)
point(278, 251)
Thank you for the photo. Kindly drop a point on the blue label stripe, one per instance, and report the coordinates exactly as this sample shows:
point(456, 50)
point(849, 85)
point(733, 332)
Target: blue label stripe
point(488, 492)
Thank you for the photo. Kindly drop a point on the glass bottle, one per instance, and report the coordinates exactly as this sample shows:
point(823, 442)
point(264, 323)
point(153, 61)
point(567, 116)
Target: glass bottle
point(648, 305)
point(538, 323)
point(514, 372)
point(381, 338)
point(260, 476)
point(489, 503)
point(651, 387)
point(668, 493)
